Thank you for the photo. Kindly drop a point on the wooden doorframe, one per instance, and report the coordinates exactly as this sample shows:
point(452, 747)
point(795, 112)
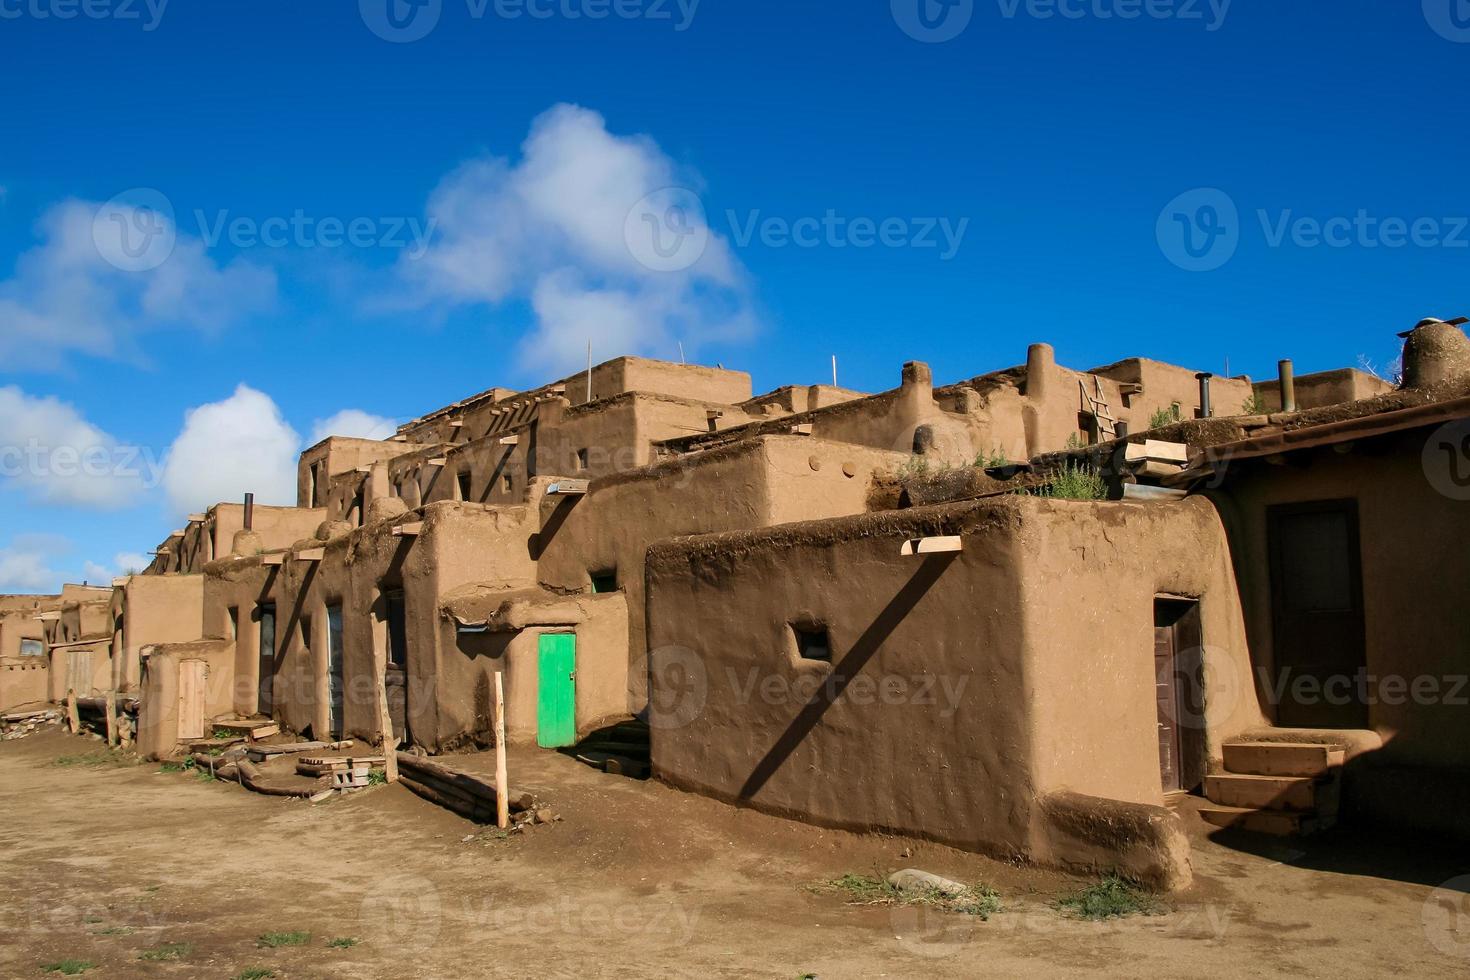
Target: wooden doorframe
point(1181, 706)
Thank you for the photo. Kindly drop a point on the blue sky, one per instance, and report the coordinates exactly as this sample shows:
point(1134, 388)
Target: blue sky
point(1034, 175)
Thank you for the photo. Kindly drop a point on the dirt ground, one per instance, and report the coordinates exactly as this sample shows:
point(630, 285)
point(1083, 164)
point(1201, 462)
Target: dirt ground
point(107, 862)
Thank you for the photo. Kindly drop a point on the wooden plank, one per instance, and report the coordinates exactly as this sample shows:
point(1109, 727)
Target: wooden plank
point(264, 731)
point(432, 772)
point(932, 546)
point(502, 780)
point(73, 721)
point(111, 718)
point(1139, 491)
point(411, 530)
point(568, 488)
point(1164, 452)
point(276, 559)
point(311, 554)
point(385, 724)
point(509, 440)
point(191, 699)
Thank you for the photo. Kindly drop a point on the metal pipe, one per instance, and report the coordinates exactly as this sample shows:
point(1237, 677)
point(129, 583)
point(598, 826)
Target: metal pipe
point(1288, 385)
point(1204, 394)
point(250, 512)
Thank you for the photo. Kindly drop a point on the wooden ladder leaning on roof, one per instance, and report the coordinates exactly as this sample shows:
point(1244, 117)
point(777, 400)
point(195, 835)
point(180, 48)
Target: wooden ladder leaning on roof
point(1097, 405)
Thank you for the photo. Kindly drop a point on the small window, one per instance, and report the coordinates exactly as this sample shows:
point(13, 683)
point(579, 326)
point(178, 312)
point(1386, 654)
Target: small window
point(234, 622)
point(604, 581)
point(32, 648)
point(813, 643)
point(581, 459)
point(509, 483)
point(465, 485)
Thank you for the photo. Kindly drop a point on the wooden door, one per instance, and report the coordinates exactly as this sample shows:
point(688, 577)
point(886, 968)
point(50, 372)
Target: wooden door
point(192, 677)
point(1317, 615)
point(266, 683)
point(556, 699)
point(334, 670)
point(395, 676)
point(79, 672)
point(1166, 697)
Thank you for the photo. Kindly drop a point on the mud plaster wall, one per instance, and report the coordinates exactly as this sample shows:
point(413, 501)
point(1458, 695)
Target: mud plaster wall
point(155, 609)
point(1324, 388)
point(158, 716)
point(753, 484)
point(1416, 581)
point(23, 679)
point(963, 704)
point(601, 682)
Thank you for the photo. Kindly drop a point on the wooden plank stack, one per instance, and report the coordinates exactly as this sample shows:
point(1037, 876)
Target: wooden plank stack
point(19, 724)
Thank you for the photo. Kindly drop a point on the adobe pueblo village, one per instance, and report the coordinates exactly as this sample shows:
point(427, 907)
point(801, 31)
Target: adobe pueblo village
point(1045, 669)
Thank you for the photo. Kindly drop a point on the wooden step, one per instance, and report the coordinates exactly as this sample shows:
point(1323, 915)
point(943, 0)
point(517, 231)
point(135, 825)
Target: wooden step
point(1276, 822)
point(1262, 792)
point(1282, 758)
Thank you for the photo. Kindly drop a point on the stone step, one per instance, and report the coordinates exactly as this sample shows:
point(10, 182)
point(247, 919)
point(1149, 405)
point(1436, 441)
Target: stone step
point(1276, 822)
point(1262, 792)
point(1282, 758)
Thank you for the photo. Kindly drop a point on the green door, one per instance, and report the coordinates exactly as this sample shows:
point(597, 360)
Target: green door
point(556, 700)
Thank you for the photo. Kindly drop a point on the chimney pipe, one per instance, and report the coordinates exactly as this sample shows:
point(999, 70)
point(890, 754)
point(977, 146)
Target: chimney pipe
point(1288, 385)
point(1204, 394)
point(250, 512)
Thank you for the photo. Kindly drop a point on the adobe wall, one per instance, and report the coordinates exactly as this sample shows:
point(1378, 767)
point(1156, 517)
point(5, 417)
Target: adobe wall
point(158, 714)
point(24, 679)
point(1324, 388)
point(87, 664)
point(334, 456)
point(972, 699)
point(1416, 580)
point(154, 609)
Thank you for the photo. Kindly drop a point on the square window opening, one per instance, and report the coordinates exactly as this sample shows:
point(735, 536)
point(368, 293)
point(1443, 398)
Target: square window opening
point(465, 486)
point(581, 459)
point(813, 642)
point(606, 581)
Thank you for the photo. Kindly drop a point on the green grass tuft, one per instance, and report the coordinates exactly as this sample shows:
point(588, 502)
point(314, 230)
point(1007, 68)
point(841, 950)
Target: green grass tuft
point(977, 900)
point(255, 973)
point(115, 931)
point(343, 942)
point(1114, 897)
point(70, 968)
point(168, 951)
point(1165, 416)
point(100, 757)
point(275, 940)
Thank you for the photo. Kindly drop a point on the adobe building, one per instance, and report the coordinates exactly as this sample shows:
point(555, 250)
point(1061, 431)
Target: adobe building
point(25, 666)
point(750, 575)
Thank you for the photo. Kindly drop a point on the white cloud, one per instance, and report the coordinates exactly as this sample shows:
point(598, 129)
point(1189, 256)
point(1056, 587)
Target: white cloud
point(125, 561)
point(74, 291)
point(26, 563)
point(229, 447)
point(51, 452)
point(353, 423)
point(560, 227)
point(95, 574)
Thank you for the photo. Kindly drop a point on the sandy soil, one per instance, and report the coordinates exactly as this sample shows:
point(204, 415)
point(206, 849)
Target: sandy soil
point(105, 862)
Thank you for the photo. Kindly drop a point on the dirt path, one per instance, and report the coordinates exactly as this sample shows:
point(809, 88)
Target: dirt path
point(105, 863)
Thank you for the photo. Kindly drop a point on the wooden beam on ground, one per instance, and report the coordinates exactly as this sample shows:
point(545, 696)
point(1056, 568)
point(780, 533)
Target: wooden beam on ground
point(932, 546)
point(502, 779)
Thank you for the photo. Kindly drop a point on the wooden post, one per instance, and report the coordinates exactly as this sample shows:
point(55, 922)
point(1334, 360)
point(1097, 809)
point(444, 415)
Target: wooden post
point(73, 722)
point(502, 780)
point(111, 709)
point(124, 731)
point(385, 721)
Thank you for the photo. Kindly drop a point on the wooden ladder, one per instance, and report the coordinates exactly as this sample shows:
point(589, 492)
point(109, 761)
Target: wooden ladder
point(1097, 405)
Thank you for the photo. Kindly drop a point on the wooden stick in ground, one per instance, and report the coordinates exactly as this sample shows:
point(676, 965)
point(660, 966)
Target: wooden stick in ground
point(385, 721)
point(502, 779)
point(72, 721)
point(111, 709)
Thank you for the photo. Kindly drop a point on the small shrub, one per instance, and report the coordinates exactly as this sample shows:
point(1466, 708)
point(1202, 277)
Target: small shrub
point(1254, 405)
point(1074, 441)
point(343, 942)
point(378, 777)
point(255, 973)
point(1073, 483)
point(115, 931)
point(70, 968)
point(1164, 416)
point(275, 940)
point(168, 951)
point(1112, 898)
point(996, 457)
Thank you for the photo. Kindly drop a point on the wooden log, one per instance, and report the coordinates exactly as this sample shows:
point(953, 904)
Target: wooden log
point(479, 814)
point(502, 780)
point(477, 786)
point(111, 720)
point(250, 779)
point(385, 722)
point(72, 720)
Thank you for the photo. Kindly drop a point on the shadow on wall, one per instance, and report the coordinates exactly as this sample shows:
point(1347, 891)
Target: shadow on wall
point(539, 541)
point(852, 663)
